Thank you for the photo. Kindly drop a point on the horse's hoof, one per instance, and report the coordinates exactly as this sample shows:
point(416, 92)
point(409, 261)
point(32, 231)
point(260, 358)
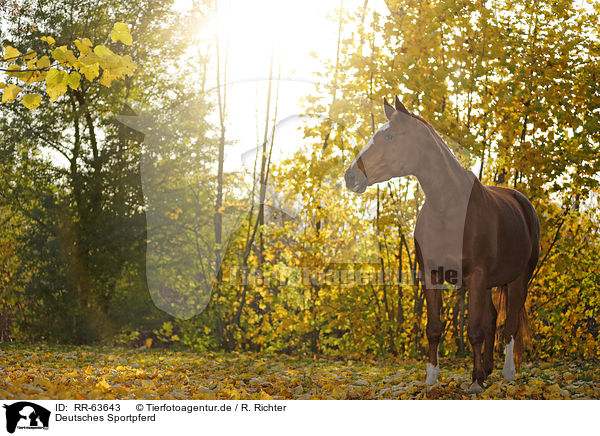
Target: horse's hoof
point(475, 388)
point(433, 373)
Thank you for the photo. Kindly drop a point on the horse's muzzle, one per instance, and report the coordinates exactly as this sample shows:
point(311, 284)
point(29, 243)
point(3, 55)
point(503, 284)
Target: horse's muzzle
point(356, 180)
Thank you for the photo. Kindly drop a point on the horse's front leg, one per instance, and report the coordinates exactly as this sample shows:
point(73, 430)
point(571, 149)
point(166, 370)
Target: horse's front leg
point(434, 332)
point(478, 297)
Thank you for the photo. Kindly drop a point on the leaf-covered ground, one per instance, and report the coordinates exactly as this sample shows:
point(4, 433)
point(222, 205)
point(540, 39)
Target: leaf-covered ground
point(46, 372)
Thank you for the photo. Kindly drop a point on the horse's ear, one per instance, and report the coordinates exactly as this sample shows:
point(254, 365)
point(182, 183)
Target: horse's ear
point(400, 107)
point(388, 108)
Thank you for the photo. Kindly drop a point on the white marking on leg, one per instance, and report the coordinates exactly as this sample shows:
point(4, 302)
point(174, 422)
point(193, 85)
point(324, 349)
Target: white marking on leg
point(509, 362)
point(475, 388)
point(433, 373)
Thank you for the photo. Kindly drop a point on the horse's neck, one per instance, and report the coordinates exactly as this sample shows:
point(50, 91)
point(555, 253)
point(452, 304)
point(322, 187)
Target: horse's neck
point(446, 183)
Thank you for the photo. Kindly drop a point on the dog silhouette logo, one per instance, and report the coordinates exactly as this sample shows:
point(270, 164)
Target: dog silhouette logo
point(26, 415)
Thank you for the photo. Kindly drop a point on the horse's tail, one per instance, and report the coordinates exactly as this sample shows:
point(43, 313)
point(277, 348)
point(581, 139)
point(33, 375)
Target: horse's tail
point(501, 307)
point(524, 331)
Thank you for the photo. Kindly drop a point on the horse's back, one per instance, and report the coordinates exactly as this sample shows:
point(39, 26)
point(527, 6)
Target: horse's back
point(525, 207)
point(501, 234)
point(517, 214)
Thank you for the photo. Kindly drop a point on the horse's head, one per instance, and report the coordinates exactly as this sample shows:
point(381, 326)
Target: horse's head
point(392, 152)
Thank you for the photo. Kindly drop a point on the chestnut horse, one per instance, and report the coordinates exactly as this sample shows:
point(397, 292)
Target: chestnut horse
point(466, 233)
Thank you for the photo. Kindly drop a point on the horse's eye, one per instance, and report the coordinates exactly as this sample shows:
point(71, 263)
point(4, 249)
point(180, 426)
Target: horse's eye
point(388, 137)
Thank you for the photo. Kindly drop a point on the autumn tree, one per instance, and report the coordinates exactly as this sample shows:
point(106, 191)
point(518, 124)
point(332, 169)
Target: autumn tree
point(75, 169)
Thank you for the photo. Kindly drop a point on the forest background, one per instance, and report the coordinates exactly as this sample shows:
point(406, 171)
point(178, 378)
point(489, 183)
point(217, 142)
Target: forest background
point(122, 223)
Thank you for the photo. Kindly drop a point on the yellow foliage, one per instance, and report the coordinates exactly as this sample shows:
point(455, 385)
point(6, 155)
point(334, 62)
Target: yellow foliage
point(103, 385)
point(84, 46)
point(87, 64)
point(36, 372)
point(43, 62)
point(56, 83)
point(48, 39)
point(121, 33)
point(90, 71)
point(102, 51)
point(64, 56)
point(56, 91)
point(10, 93)
point(73, 80)
point(32, 101)
point(11, 53)
point(106, 78)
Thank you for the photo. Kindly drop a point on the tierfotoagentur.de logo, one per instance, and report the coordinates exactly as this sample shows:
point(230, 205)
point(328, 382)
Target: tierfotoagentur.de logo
point(25, 415)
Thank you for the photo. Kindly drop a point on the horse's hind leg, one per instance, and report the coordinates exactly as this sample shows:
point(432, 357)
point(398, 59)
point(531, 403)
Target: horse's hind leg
point(517, 292)
point(489, 329)
point(434, 332)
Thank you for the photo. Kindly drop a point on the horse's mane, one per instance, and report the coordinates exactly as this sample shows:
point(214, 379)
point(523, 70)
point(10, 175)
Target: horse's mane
point(420, 119)
point(435, 134)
